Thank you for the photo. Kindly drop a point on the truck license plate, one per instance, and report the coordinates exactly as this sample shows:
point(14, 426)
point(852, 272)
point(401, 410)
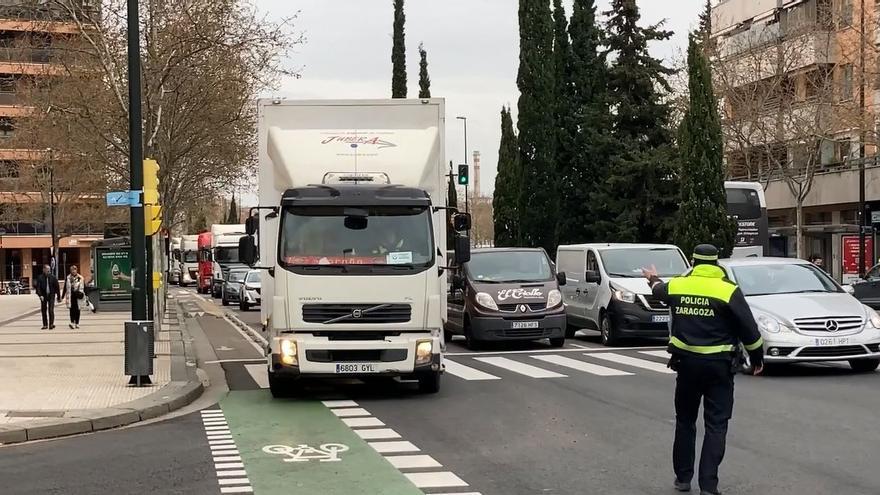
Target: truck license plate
point(524, 324)
point(660, 318)
point(831, 341)
point(343, 368)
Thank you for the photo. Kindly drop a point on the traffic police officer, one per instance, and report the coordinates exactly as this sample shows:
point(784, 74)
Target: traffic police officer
point(710, 318)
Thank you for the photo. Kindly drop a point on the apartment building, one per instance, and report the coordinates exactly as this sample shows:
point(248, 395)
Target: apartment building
point(28, 29)
point(789, 75)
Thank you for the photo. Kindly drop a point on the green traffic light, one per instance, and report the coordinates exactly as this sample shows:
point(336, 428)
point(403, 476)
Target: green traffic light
point(462, 175)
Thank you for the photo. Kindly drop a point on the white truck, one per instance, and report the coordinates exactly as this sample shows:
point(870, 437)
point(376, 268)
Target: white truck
point(189, 260)
point(351, 233)
point(224, 252)
point(174, 261)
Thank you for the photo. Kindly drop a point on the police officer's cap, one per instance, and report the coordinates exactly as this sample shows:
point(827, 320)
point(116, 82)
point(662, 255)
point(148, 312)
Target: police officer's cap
point(706, 252)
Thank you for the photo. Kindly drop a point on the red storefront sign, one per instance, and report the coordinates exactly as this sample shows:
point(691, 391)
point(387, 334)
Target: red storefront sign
point(851, 253)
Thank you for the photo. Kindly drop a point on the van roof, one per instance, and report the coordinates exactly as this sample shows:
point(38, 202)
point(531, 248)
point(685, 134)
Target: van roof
point(604, 246)
point(504, 249)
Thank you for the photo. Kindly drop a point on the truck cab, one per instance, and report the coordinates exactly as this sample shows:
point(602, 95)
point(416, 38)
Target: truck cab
point(224, 253)
point(189, 260)
point(206, 263)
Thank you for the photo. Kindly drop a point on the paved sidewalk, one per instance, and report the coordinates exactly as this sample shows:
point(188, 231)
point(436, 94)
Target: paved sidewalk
point(12, 307)
point(61, 376)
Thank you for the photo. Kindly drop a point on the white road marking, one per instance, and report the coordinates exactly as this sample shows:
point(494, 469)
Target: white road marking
point(362, 422)
point(521, 368)
point(339, 403)
point(593, 369)
point(468, 493)
point(221, 442)
point(350, 412)
point(217, 428)
point(229, 465)
point(259, 374)
point(442, 479)
point(231, 458)
point(235, 481)
point(236, 489)
point(412, 461)
point(219, 437)
point(214, 422)
point(234, 473)
point(377, 434)
point(467, 372)
point(631, 361)
point(660, 354)
point(393, 447)
point(249, 340)
point(242, 360)
point(554, 351)
point(232, 451)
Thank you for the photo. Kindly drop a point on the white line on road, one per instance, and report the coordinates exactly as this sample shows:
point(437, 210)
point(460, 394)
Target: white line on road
point(249, 340)
point(234, 473)
point(217, 428)
point(553, 351)
point(362, 422)
point(594, 369)
point(377, 434)
point(214, 422)
point(660, 354)
point(339, 403)
point(631, 361)
point(235, 481)
point(231, 458)
point(350, 412)
point(466, 372)
point(232, 451)
point(259, 374)
point(393, 447)
point(229, 465)
point(412, 461)
point(521, 368)
point(443, 479)
point(236, 489)
point(219, 437)
point(221, 442)
point(243, 360)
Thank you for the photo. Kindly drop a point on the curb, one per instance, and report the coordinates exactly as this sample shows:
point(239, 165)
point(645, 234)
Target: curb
point(21, 316)
point(184, 388)
point(247, 328)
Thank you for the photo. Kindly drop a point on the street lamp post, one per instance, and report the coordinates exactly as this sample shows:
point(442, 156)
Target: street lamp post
point(863, 217)
point(52, 232)
point(464, 119)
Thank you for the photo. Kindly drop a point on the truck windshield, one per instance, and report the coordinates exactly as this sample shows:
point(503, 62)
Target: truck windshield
point(375, 236)
point(628, 262)
point(190, 257)
point(510, 267)
point(226, 254)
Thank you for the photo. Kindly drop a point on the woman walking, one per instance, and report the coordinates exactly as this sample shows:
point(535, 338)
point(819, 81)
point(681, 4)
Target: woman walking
point(74, 295)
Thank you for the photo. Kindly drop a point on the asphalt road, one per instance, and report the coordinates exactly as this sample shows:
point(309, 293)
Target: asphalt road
point(508, 421)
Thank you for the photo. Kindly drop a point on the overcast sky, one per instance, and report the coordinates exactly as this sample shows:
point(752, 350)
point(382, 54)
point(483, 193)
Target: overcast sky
point(473, 56)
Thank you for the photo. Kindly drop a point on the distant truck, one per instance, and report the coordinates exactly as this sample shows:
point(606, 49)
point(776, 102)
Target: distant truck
point(224, 253)
point(189, 260)
point(206, 263)
point(351, 235)
point(174, 261)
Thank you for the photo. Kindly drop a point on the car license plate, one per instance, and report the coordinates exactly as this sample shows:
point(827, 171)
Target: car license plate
point(830, 341)
point(660, 318)
point(524, 324)
point(343, 368)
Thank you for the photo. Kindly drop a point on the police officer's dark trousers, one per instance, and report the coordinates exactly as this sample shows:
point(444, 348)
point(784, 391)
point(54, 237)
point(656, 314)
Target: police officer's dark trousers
point(709, 381)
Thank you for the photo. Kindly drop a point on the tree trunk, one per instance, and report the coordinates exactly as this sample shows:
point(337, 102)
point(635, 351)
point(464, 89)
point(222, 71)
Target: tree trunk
point(799, 236)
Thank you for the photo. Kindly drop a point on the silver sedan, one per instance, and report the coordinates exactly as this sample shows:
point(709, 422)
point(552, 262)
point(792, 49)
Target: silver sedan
point(804, 315)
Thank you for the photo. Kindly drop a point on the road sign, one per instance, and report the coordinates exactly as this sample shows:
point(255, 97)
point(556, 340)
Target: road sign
point(124, 198)
point(875, 217)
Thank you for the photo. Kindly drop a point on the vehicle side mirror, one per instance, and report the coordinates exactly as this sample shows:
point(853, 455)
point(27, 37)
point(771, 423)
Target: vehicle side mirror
point(247, 250)
point(849, 289)
point(561, 279)
point(592, 277)
point(462, 249)
point(252, 225)
point(461, 222)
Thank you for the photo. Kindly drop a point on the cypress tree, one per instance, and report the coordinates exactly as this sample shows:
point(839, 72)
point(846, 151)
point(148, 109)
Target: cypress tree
point(424, 79)
point(232, 217)
point(398, 53)
point(537, 126)
point(563, 110)
point(506, 197)
point(702, 215)
point(588, 121)
point(451, 201)
point(638, 190)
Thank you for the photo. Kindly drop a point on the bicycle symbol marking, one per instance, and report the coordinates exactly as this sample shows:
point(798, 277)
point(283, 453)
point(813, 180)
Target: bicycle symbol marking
point(328, 452)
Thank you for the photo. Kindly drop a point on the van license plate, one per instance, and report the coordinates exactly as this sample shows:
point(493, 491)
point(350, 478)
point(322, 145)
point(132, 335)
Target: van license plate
point(660, 318)
point(343, 368)
point(831, 341)
point(524, 324)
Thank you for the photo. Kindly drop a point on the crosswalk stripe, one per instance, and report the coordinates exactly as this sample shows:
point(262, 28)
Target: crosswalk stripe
point(259, 374)
point(393, 447)
point(443, 479)
point(412, 461)
point(660, 354)
point(521, 368)
point(631, 361)
point(377, 434)
point(591, 368)
point(467, 372)
point(362, 422)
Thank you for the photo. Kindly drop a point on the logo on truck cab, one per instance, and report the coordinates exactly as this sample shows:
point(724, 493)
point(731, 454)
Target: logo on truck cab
point(359, 140)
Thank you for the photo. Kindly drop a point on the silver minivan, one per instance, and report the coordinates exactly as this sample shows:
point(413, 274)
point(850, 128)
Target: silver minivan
point(605, 289)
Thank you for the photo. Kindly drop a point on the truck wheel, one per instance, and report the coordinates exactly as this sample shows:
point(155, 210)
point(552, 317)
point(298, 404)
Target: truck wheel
point(864, 365)
point(609, 333)
point(281, 388)
point(557, 342)
point(429, 383)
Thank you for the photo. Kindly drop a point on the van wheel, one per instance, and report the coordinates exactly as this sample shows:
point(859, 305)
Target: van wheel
point(609, 333)
point(864, 365)
point(557, 342)
point(447, 335)
point(469, 340)
point(570, 331)
point(429, 383)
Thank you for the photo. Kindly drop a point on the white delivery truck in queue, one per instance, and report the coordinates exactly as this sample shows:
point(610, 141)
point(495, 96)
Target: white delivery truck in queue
point(189, 260)
point(351, 234)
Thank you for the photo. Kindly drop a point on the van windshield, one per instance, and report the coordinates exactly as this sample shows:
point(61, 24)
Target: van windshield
point(628, 263)
point(510, 267)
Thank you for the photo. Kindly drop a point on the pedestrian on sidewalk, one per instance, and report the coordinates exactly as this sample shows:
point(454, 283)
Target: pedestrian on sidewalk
point(48, 291)
point(74, 295)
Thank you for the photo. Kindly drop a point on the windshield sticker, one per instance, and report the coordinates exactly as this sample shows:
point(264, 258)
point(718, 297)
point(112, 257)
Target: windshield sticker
point(505, 294)
point(401, 258)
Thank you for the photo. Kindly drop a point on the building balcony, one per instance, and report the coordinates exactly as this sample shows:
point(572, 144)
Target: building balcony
point(30, 55)
point(756, 56)
point(731, 13)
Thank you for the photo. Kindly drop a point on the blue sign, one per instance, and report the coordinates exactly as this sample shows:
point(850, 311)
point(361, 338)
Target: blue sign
point(124, 198)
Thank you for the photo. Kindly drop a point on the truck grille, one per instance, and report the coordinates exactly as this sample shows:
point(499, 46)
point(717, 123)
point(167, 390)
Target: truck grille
point(830, 324)
point(513, 308)
point(356, 313)
point(356, 355)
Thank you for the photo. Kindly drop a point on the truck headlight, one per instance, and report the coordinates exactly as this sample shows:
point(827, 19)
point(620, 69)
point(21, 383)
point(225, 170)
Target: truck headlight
point(554, 298)
point(424, 351)
point(624, 296)
point(486, 301)
point(768, 324)
point(288, 352)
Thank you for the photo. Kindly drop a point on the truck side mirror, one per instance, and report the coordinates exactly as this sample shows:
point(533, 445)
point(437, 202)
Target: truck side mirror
point(592, 277)
point(561, 279)
point(252, 225)
point(461, 222)
point(462, 249)
point(247, 250)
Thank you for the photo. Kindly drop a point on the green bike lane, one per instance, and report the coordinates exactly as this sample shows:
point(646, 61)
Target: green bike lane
point(302, 447)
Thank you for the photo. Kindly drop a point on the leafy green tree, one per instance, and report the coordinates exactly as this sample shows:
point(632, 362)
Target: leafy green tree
point(451, 201)
point(702, 215)
point(424, 79)
point(507, 191)
point(537, 126)
point(398, 53)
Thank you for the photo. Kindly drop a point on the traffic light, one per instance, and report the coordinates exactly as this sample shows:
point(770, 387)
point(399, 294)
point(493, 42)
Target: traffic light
point(152, 208)
point(463, 178)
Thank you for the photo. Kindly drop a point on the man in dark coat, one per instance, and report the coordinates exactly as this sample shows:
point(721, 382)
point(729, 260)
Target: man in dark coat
point(49, 292)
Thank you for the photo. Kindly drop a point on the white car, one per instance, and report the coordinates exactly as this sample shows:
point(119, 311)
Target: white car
point(804, 315)
point(249, 294)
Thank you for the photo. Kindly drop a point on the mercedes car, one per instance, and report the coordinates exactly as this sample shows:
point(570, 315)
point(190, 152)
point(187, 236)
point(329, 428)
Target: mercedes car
point(804, 315)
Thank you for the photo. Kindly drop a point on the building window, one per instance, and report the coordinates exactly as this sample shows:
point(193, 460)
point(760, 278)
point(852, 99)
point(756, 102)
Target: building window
point(9, 169)
point(849, 217)
point(846, 13)
point(846, 82)
point(817, 218)
point(7, 127)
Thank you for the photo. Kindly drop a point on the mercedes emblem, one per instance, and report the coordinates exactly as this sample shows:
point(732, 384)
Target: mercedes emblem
point(832, 326)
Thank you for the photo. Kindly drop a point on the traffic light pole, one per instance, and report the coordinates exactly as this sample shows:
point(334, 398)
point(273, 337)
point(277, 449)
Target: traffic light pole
point(135, 167)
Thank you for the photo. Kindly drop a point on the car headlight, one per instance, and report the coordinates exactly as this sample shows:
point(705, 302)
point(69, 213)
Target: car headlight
point(424, 350)
point(873, 318)
point(624, 296)
point(288, 352)
point(554, 298)
point(768, 324)
point(486, 301)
